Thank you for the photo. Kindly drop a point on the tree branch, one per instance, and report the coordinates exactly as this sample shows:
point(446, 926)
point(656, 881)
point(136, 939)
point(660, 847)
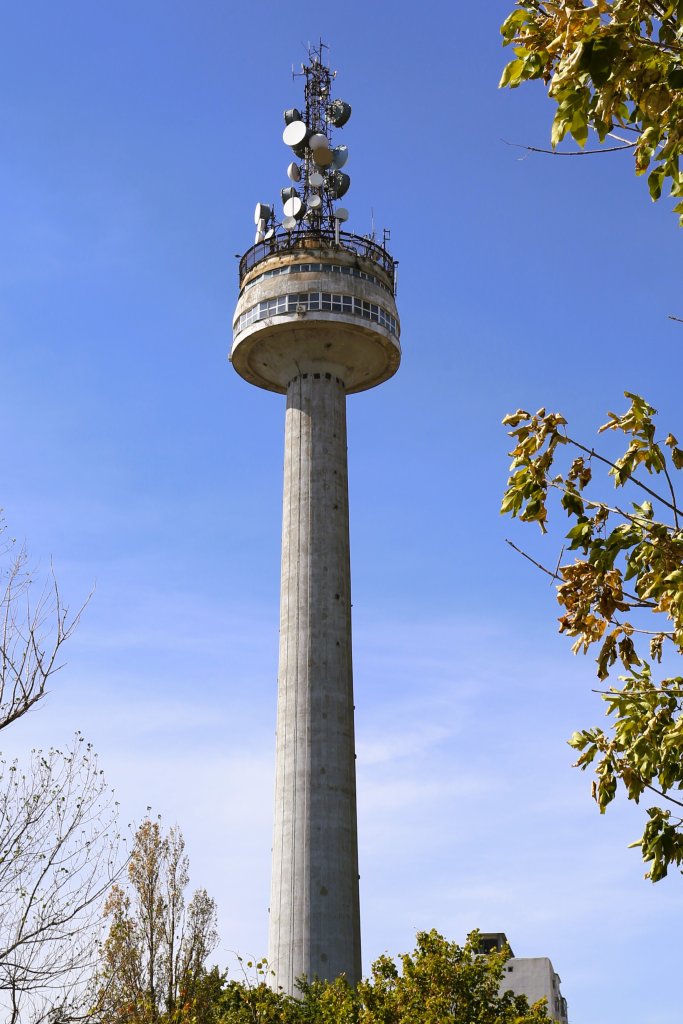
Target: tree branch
point(571, 152)
point(633, 479)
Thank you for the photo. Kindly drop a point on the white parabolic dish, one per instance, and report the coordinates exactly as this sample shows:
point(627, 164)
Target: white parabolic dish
point(318, 141)
point(295, 133)
point(294, 207)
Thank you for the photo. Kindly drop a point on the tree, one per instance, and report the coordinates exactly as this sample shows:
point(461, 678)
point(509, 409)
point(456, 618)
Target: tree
point(612, 66)
point(439, 983)
point(629, 567)
point(58, 836)
point(58, 857)
point(34, 626)
point(443, 983)
point(154, 956)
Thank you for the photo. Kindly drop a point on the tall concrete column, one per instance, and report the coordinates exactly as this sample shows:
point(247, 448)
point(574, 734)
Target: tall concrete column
point(314, 909)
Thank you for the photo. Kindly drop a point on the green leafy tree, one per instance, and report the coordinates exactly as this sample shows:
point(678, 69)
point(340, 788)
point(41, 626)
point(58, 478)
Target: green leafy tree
point(153, 965)
point(612, 66)
point(628, 567)
point(439, 983)
point(443, 983)
point(253, 1001)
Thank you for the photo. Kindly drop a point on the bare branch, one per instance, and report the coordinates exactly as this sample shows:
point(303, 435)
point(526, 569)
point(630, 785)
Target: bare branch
point(571, 152)
point(32, 634)
point(59, 854)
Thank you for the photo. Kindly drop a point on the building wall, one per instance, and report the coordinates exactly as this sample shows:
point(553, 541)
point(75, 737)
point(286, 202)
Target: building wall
point(535, 978)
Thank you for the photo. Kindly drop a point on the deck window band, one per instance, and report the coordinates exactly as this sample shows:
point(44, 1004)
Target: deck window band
point(312, 302)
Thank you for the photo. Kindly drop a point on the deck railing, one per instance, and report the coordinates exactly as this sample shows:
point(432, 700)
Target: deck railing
point(286, 242)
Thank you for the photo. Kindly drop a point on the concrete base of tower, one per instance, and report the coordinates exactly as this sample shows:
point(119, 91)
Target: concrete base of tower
point(314, 910)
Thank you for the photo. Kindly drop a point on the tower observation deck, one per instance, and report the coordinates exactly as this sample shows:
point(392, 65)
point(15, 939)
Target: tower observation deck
point(316, 319)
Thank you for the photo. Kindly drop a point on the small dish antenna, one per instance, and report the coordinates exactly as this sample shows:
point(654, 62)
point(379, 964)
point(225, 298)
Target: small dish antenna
point(296, 134)
point(340, 154)
point(288, 193)
point(318, 141)
point(263, 212)
point(316, 179)
point(322, 157)
point(338, 113)
point(294, 208)
point(338, 184)
point(340, 215)
point(294, 172)
point(292, 115)
point(315, 203)
point(289, 223)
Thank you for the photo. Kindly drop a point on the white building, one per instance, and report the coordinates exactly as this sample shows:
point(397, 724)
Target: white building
point(530, 976)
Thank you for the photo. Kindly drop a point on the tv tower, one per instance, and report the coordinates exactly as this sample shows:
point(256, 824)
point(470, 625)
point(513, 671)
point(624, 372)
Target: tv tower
point(316, 320)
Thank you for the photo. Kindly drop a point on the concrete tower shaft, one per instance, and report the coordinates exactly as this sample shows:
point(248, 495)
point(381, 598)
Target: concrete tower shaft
point(316, 319)
point(314, 909)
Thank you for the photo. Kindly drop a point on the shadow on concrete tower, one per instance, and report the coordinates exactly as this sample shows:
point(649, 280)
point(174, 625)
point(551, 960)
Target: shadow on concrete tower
point(316, 320)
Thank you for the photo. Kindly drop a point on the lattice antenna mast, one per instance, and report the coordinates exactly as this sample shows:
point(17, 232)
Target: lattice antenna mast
point(316, 176)
point(317, 92)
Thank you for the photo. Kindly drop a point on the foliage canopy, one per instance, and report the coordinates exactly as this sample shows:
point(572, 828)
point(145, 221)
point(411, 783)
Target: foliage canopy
point(628, 568)
point(440, 982)
point(611, 66)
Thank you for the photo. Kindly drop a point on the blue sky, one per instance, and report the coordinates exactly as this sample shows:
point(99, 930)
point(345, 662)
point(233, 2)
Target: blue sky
point(136, 140)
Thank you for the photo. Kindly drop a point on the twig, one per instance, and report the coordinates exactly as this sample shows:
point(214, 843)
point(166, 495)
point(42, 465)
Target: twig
point(638, 693)
point(633, 479)
point(548, 572)
point(665, 795)
point(570, 152)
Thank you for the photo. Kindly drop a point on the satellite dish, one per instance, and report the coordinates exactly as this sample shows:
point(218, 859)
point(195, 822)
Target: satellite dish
point(258, 237)
point(338, 184)
point(315, 203)
point(288, 193)
point(318, 141)
point(322, 157)
point(340, 214)
point(294, 208)
point(340, 154)
point(315, 180)
point(289, 223)
point(263, 212)
point(270, 233)
point(296, 134)
point(338, 113)
point(292, 115)
point(294, 172)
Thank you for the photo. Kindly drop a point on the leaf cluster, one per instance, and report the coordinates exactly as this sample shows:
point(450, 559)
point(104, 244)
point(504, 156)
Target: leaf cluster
point(628, 567)
point(608, 65)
